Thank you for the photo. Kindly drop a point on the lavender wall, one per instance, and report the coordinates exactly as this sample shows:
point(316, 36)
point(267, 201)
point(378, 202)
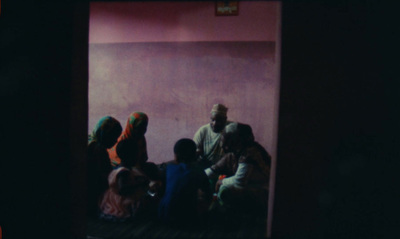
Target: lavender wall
point(177, 83)
point(174, 60)
point(119, 22)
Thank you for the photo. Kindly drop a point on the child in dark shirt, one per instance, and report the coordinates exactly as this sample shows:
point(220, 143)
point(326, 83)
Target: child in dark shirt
point(183, 179)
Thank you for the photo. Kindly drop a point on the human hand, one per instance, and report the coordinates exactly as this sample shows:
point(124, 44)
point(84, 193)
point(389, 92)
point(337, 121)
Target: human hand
point(154, 187)
point(218, 185)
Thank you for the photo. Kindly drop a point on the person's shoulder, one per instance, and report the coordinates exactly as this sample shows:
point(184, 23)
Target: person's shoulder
point(136, 171)
point(118, 173)
point(257, 150)
point(174, 166)
point(205, 127)
point(91, 148)
point(120, 169)
point(193, 167)
point(93, 145)
point(96, 153)
point(176, 170)
point(203, 130)
point(228, 122)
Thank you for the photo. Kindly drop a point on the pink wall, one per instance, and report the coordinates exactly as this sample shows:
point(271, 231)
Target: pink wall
point(131, 68)
point(174, 60)
point(176, 84)
point(180, 21)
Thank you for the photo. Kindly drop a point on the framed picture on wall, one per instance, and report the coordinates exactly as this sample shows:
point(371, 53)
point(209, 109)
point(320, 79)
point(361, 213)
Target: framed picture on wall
point(227, 8)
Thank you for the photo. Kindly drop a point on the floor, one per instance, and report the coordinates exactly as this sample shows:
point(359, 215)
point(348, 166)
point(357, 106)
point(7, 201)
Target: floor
point(247, 227)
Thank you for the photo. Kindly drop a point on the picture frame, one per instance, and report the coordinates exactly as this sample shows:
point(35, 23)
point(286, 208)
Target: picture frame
point(226, 8)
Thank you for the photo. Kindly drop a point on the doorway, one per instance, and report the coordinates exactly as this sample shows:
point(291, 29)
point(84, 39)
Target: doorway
point(174, 60)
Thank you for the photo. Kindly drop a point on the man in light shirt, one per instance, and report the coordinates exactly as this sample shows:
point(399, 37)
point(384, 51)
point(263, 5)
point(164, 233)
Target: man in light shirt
point(207, 138)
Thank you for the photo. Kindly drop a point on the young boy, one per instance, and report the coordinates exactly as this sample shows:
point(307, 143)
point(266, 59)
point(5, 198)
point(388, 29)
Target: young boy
point(127, 186)
point(183, 179)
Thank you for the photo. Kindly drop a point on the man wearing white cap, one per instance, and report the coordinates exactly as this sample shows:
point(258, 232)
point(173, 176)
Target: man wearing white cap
point(207, 138)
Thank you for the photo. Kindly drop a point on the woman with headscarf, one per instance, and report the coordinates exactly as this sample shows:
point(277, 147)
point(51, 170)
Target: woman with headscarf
point(246, 166)
point(103, 137)
point(136, 127)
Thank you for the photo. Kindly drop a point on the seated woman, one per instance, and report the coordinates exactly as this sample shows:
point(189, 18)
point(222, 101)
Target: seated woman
point(104, 136)
point(246, 165)
point(127, 186)
point(136, 127)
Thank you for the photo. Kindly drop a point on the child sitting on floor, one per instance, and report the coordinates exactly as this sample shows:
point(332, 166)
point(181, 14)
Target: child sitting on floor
point(127, 186)
point(183, 179)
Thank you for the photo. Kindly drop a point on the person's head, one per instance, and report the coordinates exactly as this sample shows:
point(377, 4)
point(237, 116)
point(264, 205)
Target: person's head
point(136, 125)
point(127, 151)
point(218, 117)
point(236, 137)
point(185, 151)
point(229, 138)
point(245, 134)
point(106, 131)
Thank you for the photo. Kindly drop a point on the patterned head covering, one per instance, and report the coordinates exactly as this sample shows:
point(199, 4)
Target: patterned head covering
point(219, 109)
point(106, 131)
point(135, 128)
point(245, 133)
point(231, 128)
point(136, 124)
point(241, 131)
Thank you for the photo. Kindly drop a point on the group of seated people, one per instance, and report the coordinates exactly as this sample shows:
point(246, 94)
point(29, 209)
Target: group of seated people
point(221, 169)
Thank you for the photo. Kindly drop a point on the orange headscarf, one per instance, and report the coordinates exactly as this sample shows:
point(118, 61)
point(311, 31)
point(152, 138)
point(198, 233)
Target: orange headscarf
point(135, 128)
